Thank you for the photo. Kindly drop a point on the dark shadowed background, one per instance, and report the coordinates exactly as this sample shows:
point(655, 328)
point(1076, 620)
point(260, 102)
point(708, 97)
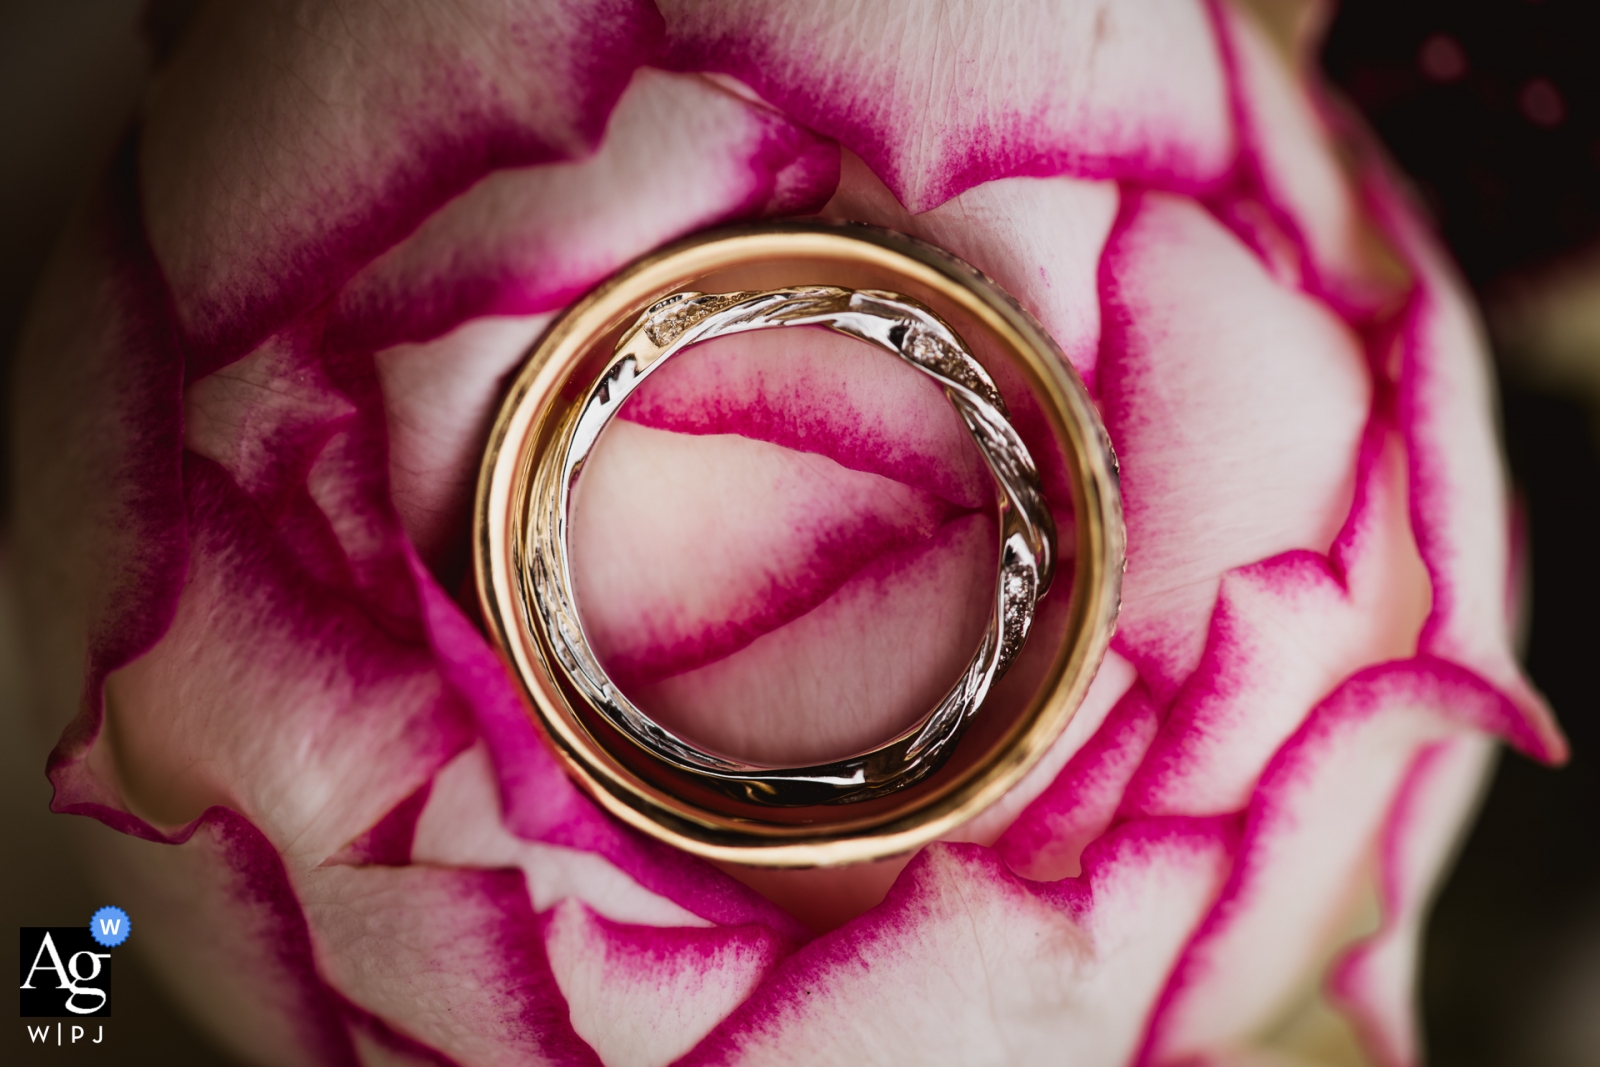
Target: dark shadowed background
point(1493, 107)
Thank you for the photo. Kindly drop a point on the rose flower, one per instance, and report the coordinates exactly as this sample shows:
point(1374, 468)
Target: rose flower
point(256, 387)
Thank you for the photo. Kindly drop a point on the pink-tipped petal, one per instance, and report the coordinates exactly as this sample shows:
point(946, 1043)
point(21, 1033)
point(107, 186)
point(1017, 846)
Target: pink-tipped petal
point(966, 963)
point(461, 827)
point(538, 802)
point(220, 922)
point(937, 99)
point(98, 514)
point(1040, 238)
point(1284, 634)
point(450, 959)
point(1291, 176)
point(302, 436)
point(331, 718)
point(679, 154)
point(1375, 983)
point(642, 995)
point(286, 144)
point(267, 416)
point(864, 664)
point(1047, 842)
point(1236, 406)
point(788, 529)
point(1111, 683)
point(289, 588)
point(1314, 822)
point(816, 391)
point(438, 400)
point(388, 841)
point(1459, 497)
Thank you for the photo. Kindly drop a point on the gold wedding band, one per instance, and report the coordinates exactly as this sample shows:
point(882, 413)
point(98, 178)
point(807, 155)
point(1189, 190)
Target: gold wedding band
point(952, 324)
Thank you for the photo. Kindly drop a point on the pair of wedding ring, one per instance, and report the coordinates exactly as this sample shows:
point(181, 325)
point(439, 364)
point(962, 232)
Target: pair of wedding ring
point(951, 324)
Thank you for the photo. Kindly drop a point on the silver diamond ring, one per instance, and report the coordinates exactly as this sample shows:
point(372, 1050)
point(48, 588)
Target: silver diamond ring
point(896, 324)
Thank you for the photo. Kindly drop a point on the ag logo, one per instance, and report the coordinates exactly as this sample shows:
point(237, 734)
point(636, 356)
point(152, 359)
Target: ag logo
point(65, 972)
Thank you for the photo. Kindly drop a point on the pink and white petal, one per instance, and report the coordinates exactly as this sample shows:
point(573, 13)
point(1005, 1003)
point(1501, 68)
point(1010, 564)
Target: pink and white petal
point(220, 923)
point(1040, 238)
point(965, 962)
point(301, 519)
point(98, 524)
point(439, 398)
point(781, 529)
point(938, 99)
point(1287, 159)
point(286, 144)
point(1459, 497)
point(536, 796)
point(272, 422)
point(1111, 683)
point(450, 959)
point(642, 996)
point(807, 389)
point(1046, 843)
point(266, 417)
point(826, 898)
point(1199, 337)
point(1314, 821)
point(863, 665)
point(303, 435)
point(389, 840)
point(538, 802)
point(272, 693)
point(347, 485)
point(1375, 983)
point(460, 826)
point(813, 390)
point(1285, 633)
point(679, 154)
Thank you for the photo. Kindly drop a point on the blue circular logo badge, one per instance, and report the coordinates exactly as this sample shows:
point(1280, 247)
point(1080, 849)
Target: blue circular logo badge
point(110, 927)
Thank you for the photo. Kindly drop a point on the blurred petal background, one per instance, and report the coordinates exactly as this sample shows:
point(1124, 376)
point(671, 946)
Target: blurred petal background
point(1493, 108)
point(70, 77)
